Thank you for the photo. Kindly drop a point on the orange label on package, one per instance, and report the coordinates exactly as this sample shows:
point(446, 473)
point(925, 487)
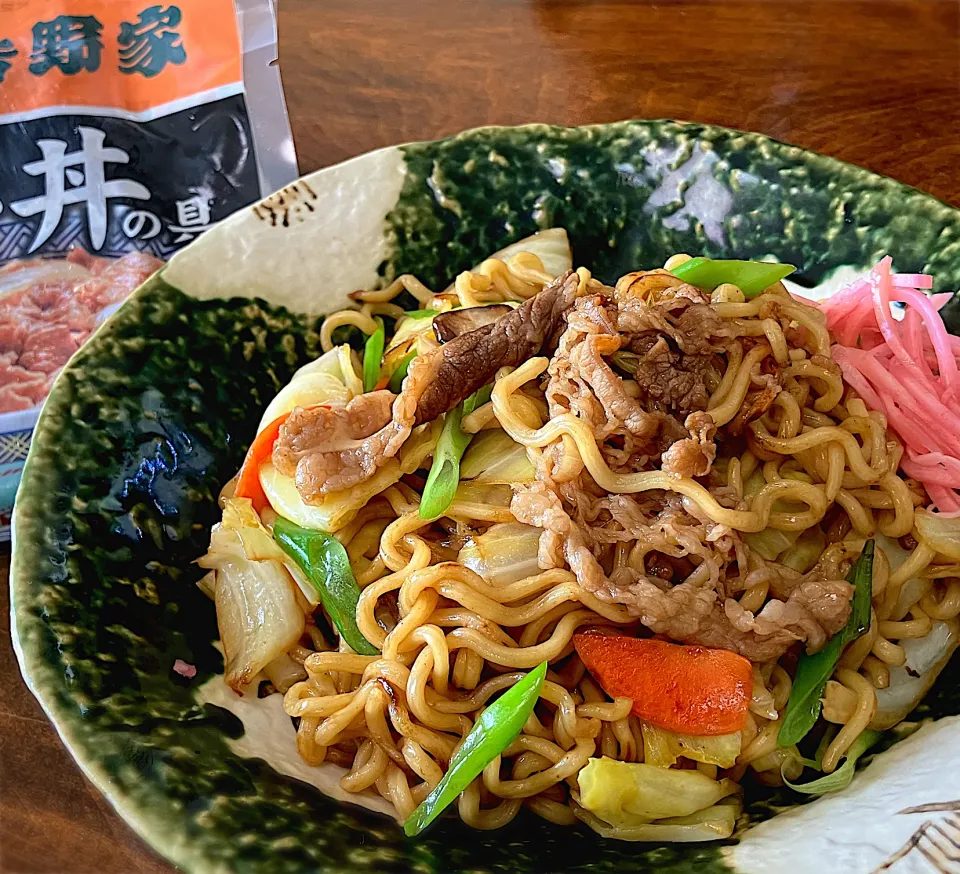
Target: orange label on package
point(114, 53)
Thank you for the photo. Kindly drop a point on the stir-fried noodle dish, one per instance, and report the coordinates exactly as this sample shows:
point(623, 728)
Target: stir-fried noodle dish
point(614, 554)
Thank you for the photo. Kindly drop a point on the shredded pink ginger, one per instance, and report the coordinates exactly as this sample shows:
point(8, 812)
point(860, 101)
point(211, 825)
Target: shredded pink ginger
point(907, 369)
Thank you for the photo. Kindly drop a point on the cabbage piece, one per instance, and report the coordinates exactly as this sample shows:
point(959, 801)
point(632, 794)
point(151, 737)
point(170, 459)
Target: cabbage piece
point(662, 748)
point(258, 615)
point(504, 553)
point(494, 494)
point(806, 551)
point(331, 377)
point(335, 510)
point(242, 535)
point(939, 532)
point(260, 609)
point(770, 542)
point(754, 484)
point(626, 794)
point(495, 457)
point(488, 502)
point(407, 330)
point(927, 656)
point(258, 543)
point(208, 584)
point(338, 509)
point(713, 824)
point(552, 247)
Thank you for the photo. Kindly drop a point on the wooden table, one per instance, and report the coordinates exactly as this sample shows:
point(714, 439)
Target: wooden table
point(875, 83)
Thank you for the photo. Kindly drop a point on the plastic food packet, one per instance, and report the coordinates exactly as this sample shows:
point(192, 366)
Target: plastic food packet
point(127, 129)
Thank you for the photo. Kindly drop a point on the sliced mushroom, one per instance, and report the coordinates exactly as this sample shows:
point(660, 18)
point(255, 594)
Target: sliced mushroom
point(453, 323)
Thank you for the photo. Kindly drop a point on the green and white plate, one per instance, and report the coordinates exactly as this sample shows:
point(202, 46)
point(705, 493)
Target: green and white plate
point(156, 411)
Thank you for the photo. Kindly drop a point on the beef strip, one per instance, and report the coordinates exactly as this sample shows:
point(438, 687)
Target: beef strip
point(673, 343)
point(673, 335)
point(562, 539)
point(687, 319)
point(692, 611)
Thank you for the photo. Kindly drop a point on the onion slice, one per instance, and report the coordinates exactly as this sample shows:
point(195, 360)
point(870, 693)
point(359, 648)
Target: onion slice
point(940, 533)
point(504, 554)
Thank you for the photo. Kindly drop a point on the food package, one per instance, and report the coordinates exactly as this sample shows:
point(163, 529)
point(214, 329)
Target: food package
point(127, 129)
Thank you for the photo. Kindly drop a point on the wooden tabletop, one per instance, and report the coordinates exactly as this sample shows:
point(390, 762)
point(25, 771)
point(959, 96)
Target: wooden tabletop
point(874, 83)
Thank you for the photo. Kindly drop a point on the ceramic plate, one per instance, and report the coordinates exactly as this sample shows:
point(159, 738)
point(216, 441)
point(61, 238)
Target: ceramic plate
point(156, 411)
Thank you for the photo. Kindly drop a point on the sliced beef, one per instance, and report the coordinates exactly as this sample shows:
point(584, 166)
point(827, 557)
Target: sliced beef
point(48, 348)
point(562, 539)
point(813, 612)
point(692, 610)
point(343, 430)
point(688, 320)
point(594, 339)
point(672, 340)
point(692, 456)
point(670, 380)
point(115, 281)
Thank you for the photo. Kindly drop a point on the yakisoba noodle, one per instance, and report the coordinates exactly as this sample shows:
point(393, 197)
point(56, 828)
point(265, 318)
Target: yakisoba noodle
point(815, 461)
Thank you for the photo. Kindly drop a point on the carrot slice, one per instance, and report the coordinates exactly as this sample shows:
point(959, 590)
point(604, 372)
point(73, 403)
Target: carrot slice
point(248, 481)
point(687, 689)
